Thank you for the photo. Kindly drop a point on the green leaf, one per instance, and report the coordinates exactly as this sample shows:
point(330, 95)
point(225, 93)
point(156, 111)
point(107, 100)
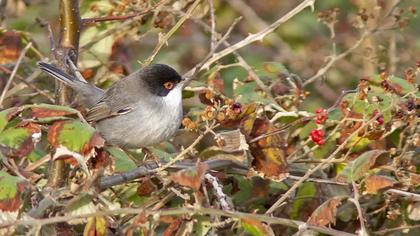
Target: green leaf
point(246, 93)
point(123, 162)
point(14, 137)
point(10, 189)
point(76, 136)
point(202, 225)
point(5, 116)
point(360, 166)
point(80, 201)
point(271, 70)
point(403, 84)
point(323, 150)
point(162, 155)
point(305, 192)
point(255, 228)
point(306, 130)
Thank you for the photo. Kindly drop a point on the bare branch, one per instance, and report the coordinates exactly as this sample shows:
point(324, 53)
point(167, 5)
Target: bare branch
point(13, 74)
point(258, 36)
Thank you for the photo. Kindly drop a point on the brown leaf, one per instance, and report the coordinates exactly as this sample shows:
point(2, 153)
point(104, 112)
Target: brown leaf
point(269, 161)
point(39, 112)
point(54, 132)
point(163, 20)
point(172, 228)
point(268, 157)
point(100, 160)
point(11, 45)
point(216, 82)
point(191, 177)
point(146, 187)
point(95, 142)
point(325, 214)
point(260, 187)
point(374, 183)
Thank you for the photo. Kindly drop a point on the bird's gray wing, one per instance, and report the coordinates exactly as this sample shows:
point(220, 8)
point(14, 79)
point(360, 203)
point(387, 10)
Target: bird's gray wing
point(113, 103)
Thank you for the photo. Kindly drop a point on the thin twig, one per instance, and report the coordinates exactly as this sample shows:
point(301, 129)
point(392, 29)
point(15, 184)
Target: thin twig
point(13, 74)
point(334, 58)
point(30, 85)
point(181, 155)
point(258, 36)
point(412, 196)
point(176, 212)
point(213, 39)
point(401, 228)
point(221, 196)
point(165, 38)
point(98, 19)
point(259, 24)
point(118, 29)
point(289, 192)
point(356, 202)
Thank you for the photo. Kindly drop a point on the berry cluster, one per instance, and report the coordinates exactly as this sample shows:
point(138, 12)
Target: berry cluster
point(317, 136)
point(321, 116)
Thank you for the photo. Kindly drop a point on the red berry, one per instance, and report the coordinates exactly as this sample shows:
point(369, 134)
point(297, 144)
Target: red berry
point(380, 120)
point(317, 136)
point(321, 115)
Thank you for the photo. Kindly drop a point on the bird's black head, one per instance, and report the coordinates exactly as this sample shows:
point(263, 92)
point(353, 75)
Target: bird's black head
point(160, 79)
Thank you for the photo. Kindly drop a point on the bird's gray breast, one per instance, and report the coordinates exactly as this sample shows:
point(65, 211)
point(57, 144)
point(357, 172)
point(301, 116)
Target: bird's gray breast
point(149, 122)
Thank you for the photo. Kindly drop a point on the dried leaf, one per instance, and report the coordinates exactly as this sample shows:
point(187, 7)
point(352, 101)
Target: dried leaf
point(325, 214)
point(374, 183)
point(48, 111)
point(11, 45)
point(191, 177)
point(146, 187)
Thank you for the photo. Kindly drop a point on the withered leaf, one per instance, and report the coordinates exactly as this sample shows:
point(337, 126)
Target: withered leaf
point(191, 177)
point(325, 214)
point(374, 183)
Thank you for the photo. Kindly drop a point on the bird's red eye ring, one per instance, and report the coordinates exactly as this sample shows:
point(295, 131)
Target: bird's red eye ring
point(168, 85)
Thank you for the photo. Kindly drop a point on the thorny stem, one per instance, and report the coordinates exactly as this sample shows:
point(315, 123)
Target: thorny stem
point(165, 38)
point(68, 48)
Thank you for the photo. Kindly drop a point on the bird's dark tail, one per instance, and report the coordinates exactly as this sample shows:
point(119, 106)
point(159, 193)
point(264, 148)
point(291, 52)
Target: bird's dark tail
point(57, 73)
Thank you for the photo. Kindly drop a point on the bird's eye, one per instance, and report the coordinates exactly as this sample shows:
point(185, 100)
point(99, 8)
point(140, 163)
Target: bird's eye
point(168, 85)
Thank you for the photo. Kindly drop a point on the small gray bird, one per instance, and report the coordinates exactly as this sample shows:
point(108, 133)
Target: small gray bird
point(140, 110)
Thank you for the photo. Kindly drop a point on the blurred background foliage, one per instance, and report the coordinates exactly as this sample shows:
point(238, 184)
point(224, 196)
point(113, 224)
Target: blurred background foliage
point(384, 68)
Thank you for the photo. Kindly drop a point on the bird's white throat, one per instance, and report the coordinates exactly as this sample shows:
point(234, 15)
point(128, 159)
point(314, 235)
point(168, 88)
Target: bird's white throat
point(174, 97)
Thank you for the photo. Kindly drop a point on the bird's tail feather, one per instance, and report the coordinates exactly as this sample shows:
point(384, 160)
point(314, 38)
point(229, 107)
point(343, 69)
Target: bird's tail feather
point(57, 73)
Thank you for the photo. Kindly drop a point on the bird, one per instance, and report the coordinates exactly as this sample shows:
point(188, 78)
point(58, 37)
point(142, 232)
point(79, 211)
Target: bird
point(140, 110)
